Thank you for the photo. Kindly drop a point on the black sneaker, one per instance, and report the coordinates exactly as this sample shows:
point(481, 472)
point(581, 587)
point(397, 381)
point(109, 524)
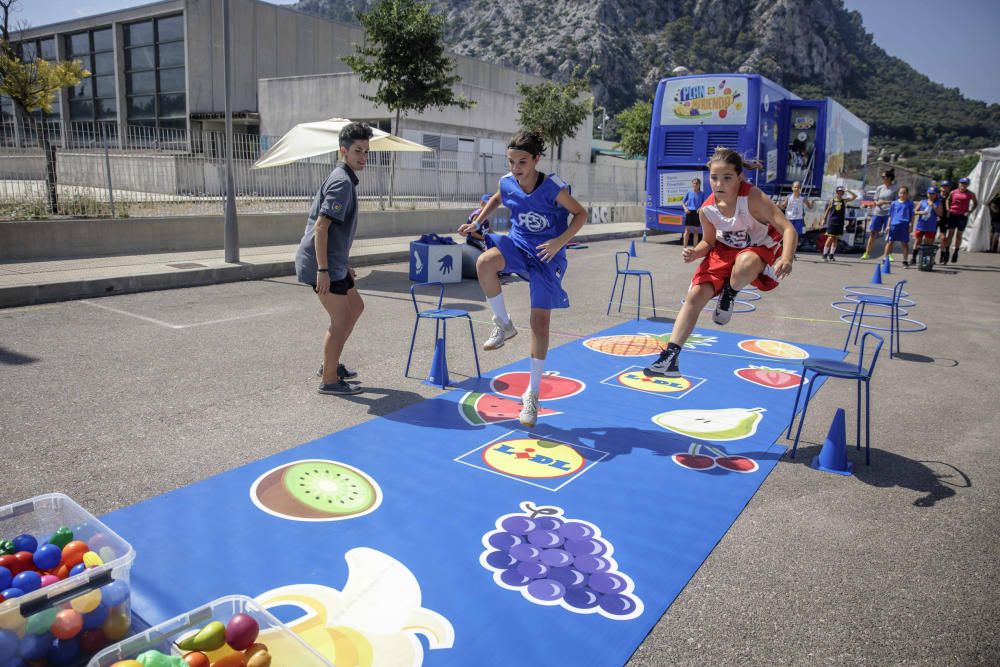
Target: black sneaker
point(943, 260)
point(724, 308)
point(339, 388)
point(954, 257)
point(833, 258)
point(667, 365)
point(342, 372)
point(825, 257)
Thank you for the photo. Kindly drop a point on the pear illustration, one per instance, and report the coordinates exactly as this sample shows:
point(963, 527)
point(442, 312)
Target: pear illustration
point(719, 425)
point(373, 622)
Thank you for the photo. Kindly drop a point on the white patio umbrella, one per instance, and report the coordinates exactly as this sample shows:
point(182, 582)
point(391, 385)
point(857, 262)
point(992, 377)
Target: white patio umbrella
point(310, 139)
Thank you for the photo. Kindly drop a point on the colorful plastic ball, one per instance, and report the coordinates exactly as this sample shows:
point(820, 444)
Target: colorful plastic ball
point(116, 626)
point(28, 582)
point(62, 571)
point(47, 556)
point(25, 561)
point(241, 631)
point(92, 641)
point(61, 537)
point(34, 647)
point(63, 651)
point(87, 602)
point(90, 559)
point(115, 593)
point(107, 554)
point(73, 552)
point(25, 542)
point(41, 623)
point(9, 593)
point(76, 569)
point(49, 579)
point(127, 663)
point(7, 547)
point(68, 624)
point(96, 618)
point(9, 643)
point(5, 576)
point(8, 561)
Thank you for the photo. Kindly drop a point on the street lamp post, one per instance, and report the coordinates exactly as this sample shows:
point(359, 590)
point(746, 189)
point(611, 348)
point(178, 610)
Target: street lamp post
point(604, 119)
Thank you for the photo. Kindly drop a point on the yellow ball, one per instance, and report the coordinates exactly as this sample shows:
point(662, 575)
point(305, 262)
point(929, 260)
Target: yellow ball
point(116, 626)
point(127, 663)
point(90, 559)
point(87, 602)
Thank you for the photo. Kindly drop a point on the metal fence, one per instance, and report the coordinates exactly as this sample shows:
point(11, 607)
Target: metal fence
point(103, 170)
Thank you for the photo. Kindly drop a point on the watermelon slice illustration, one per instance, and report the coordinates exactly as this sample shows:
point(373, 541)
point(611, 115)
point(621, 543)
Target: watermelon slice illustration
point(478, 408)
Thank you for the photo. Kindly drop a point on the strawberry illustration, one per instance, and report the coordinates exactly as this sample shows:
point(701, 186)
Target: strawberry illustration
point(773, 378)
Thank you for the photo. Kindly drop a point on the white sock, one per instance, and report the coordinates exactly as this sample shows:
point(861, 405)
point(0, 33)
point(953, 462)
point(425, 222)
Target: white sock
point(537, 366)
point(499, 308)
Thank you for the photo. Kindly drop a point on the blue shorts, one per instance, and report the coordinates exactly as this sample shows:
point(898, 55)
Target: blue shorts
point(799, 225)
point(544, 278)
point(878, 223)
point(899, 233)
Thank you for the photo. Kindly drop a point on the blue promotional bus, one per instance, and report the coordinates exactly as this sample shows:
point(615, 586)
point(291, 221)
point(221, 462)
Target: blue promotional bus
point(818, 142)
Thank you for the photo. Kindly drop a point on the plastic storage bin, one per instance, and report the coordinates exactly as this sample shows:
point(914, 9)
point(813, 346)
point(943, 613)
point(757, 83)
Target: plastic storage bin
point(286, 648)
point(87, 610)
point(435, 258)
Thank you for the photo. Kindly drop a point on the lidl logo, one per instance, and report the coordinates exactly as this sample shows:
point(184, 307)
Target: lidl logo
point(634, 378)
point(534, 460)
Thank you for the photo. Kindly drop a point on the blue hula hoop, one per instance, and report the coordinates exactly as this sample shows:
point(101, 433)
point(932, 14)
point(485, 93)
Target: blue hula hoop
point(839, 305)
point(859, 289)
point(748, 307)
point(920, 326)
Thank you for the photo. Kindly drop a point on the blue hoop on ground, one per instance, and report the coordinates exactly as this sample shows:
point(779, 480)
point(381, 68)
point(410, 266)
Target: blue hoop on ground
point(905, 303)
point(838, 305)
point(749, 307)
point(920, 326)
point(748, 294)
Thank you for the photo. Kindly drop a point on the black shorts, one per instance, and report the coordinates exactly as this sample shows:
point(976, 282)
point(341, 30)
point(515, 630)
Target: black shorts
point(338, 286)
point(957, 221)
point(691, 219)
point(995, 226)
point(835, 229)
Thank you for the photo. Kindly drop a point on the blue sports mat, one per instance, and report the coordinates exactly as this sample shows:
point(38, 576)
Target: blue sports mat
point(464, 538)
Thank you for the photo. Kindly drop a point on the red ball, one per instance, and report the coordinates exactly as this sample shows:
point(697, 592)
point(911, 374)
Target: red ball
point(8, 561)
point(241, 631)
point(93, 641)
point(25, 561)
point(68, 624)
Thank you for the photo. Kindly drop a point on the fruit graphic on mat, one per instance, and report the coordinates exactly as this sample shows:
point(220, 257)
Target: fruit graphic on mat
point(693, 461)
point(373, 622)
point(554, 560)
point(773, 378)
point(553, 385)
point(724, 424)
point(316, 490)
point(629, 345)
point(773, 348)
point(477, 408)
point(737, 463)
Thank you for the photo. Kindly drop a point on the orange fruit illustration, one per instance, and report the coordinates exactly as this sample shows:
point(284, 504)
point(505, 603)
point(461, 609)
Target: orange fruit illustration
point(631, 345)
point(773, 348)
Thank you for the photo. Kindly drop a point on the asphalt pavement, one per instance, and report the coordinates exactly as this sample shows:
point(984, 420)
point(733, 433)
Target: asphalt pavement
point(113, 400)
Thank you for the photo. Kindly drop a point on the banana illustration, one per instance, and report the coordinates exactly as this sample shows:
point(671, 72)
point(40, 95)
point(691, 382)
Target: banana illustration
point(373, 622)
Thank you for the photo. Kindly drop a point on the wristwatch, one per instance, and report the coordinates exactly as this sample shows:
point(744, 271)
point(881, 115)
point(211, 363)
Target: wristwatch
point(322, 270)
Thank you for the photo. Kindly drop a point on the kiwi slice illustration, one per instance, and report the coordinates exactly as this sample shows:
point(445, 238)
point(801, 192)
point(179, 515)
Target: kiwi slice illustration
point(315, 490)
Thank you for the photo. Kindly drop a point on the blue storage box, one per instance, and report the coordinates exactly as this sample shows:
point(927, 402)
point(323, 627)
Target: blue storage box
point(435, 258)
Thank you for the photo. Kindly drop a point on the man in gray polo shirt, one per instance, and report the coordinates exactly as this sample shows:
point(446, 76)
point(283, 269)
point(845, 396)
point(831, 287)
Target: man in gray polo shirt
point(322, 257)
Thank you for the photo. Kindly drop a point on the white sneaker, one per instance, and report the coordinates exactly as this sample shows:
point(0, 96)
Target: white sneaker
point(499, 334)
point(529, 409)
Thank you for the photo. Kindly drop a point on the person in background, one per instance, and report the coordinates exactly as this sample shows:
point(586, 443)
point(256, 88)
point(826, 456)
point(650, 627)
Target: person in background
point(693, 199)
point(995, 223)
point(476, 238)
point(794, 206)
point(928, 211)
point(834, 218)
point(942, 225)
point(961, 203)
point(885, 194)
point(900, 223)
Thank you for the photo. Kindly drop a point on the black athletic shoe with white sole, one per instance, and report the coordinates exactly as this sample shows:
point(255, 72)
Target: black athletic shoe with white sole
point(724, 308)
point(339, 388)
point(666, 366)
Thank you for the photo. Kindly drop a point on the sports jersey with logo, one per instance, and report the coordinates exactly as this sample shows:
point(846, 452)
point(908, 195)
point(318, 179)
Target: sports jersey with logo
point(741, 230)
point(535, 217)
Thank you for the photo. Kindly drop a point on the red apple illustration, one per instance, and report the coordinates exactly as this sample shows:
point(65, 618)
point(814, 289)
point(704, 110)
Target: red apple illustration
point(693, 461)
point(737, 463)
point(554, 386)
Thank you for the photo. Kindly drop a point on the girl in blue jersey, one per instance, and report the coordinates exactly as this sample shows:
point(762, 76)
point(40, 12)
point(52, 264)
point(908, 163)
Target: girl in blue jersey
point(535, 249)
point(928, 213)
point(900, 222)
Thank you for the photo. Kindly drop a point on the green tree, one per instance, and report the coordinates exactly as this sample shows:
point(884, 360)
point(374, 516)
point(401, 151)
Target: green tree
point(404, 56)
point(633, 123)
point(32, 86)
point(556, 109)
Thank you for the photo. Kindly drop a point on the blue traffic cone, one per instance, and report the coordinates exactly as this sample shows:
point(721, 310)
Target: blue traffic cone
point(877, 276)
point(833, 456)
point(439, 367)
point(886, 269)
point(631, 249)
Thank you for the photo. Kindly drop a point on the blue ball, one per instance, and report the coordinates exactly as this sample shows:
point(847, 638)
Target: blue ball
point(27, 581)
point(8, 645)
point(5, 577)
point(34, 647)
point(47, 556)
point(63, 651)
point(9, 593)
point(95, 619)
point(77, 569)
point(114, 593)
point(25, 542)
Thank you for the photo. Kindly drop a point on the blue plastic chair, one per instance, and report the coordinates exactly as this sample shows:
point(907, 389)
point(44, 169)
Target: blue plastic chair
point(859, 315)
point(848, 371)
point(625, 273)
point(440, 316)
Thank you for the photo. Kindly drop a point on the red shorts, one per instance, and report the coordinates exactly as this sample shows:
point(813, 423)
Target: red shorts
point(718, 265)
point(923, 235)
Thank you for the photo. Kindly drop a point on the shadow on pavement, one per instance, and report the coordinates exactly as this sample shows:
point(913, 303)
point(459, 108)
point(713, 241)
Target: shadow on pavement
point(923, 359)
point(936, 479)
point(11, 358)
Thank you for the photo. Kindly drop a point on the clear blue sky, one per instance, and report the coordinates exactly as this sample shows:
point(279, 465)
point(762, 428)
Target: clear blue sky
point(954, 42)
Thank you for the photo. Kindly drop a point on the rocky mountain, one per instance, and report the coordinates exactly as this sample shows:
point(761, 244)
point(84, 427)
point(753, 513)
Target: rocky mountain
point(813, 47)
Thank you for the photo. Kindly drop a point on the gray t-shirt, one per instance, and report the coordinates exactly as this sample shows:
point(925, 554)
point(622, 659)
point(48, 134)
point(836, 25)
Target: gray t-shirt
point(883, 193)
point(337, 200)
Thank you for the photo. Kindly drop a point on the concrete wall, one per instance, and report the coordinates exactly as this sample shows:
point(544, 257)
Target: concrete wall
point(56, 239)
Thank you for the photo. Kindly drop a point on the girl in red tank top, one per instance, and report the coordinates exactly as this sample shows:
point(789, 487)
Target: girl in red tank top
point(747, 240)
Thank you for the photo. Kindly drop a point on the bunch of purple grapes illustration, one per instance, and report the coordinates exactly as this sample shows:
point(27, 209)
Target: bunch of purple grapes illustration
point(554, 560)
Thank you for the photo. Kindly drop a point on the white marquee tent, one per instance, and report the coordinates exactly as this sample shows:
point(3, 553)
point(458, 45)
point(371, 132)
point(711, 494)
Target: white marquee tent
point(985, 182)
